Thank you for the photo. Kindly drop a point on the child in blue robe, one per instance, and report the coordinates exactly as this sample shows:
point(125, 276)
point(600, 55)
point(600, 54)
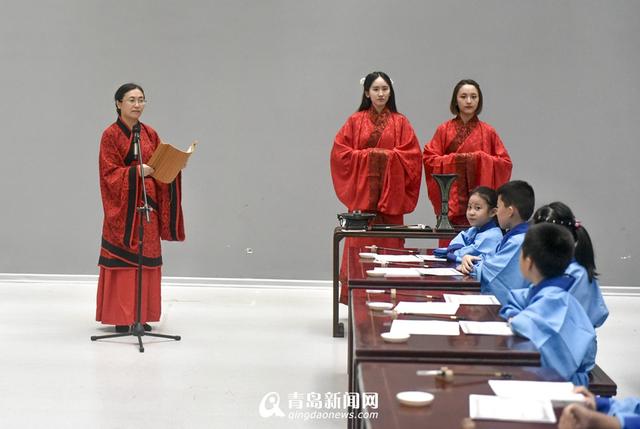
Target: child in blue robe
point(583, 267)
point(498, 271)
point(484, 234)
point(604, 413)
point(549, 315)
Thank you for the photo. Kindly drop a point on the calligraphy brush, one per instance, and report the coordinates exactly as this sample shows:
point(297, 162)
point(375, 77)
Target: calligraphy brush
point(395, 314)
point(416, 264)
point(374, 249)
point(448, 374)
point(411, 295)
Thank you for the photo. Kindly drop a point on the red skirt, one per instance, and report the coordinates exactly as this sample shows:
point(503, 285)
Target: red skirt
point(393, 243)
point(117, 295)
point(359, 242)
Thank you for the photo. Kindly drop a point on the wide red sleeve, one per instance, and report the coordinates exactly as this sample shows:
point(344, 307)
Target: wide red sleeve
point(169, 203)
point(395, 163)
point(481, 160)
point(119, 189)
point(494, 165)
point(171, 220)
point(348, 164)
point(401, 183)
point(437, 162)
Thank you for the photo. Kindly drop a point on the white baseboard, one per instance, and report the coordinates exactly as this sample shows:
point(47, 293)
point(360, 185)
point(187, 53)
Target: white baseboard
point(620, 290)
point(231, 282)
point(171, 281)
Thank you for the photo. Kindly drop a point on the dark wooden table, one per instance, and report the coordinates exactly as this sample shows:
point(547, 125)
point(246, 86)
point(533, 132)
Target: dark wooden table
point(365, 343)
point(451, 403)
point(357, 270)
point(339, 234)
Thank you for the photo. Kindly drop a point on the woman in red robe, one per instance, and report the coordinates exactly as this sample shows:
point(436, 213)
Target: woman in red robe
point(121, 189)
point(376, 163)
point(467, 147)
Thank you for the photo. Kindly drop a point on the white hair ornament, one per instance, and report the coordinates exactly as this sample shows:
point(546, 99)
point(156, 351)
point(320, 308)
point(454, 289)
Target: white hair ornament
point(365, 78)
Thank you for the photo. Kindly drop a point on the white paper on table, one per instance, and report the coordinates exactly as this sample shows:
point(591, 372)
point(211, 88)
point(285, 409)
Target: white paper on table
point(405, 307)
point(424, 327)
point(396, 272)
point(399, 258)
point(431, 258)
point(485, 328)
point(471, 299)
point(487, 407)
point(401, 272)
point(560, 393)
point(439, 272)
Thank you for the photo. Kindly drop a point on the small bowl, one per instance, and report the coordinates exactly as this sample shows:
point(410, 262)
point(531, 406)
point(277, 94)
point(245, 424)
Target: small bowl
point(414, 398)
point(393, 337)
point(379, 306)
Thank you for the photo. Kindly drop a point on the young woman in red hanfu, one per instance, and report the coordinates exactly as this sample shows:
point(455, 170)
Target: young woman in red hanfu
point(467, 147)
point(120, 186)
point(376, 163)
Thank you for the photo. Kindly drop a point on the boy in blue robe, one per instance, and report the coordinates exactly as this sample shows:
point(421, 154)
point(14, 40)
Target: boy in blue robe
point(548, 314)
point(484, 234)
point(498, 271)
point(604, 413)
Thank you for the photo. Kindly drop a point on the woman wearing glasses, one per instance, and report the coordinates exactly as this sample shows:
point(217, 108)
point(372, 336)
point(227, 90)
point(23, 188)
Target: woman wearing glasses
point(121, 189)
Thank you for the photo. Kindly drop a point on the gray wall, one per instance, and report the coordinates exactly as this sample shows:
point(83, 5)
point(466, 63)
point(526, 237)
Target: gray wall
point(265, 85)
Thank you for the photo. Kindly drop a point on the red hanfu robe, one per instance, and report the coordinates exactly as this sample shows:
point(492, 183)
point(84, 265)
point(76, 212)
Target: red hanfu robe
point(376, 167)
point(475, 153)
point(120, 186)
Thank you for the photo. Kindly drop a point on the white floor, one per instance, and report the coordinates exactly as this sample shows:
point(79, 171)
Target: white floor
point(238, 344)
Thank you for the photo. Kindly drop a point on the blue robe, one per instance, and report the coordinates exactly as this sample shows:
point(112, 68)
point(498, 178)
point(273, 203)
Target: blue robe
point(557, 324)
point(473, 241)
point(588, 294)
point(499, 271)
point(627, 410)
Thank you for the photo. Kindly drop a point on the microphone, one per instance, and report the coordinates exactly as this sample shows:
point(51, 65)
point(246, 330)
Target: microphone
point(136, 139)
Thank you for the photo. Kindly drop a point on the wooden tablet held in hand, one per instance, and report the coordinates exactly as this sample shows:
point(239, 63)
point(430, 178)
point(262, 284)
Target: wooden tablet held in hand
point(167, 161)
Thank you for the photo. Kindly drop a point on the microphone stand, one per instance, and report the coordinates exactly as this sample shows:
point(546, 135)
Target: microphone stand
point(137, 329)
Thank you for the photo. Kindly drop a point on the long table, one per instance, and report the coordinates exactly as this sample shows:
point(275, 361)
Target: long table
point(451, 402)
point(366, 345)
point(340, 233)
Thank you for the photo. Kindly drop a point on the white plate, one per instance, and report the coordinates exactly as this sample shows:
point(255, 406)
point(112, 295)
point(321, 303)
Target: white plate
point(375, 305)
point(375, 273)
point(414, 398)
point(392, 337)
point(376, 291)
point(368, 255)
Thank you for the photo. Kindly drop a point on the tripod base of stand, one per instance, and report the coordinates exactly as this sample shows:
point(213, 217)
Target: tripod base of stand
point(137, 330)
